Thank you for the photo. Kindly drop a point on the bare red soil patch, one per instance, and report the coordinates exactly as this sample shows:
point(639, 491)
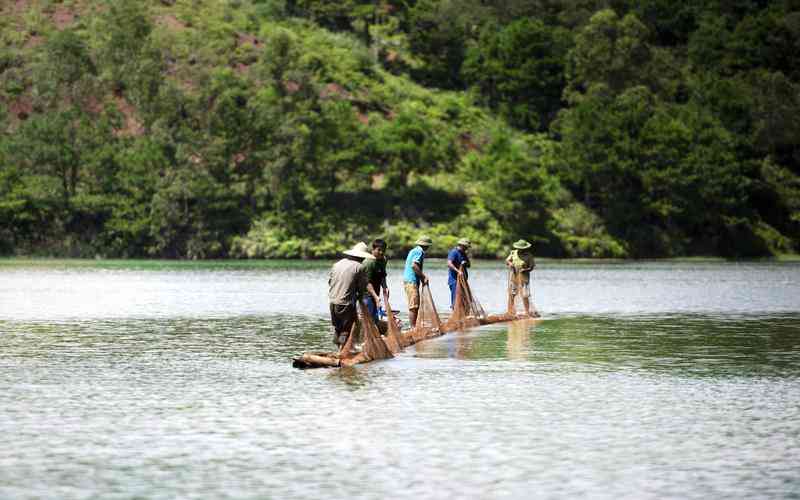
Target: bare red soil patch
point(21, 107)
point(170, 22)
point(34, 41)
point(291, 86)
point(245, 38)
point(63, 17)
point(132, 126)
point(333, 90)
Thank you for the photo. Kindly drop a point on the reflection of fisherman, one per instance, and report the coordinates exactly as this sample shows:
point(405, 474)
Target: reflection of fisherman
point(455, 259)
point(413, 276)
point(521, 263)
point(375, 269)
point(346, 283)
point(520, 334)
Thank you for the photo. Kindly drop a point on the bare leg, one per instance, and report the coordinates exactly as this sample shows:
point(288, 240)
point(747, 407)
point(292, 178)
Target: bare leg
point(412, 316)
point(532, 314)
point(527, 303)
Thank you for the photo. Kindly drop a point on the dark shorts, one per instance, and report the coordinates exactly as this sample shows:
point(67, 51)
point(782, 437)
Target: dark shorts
point(343, 317)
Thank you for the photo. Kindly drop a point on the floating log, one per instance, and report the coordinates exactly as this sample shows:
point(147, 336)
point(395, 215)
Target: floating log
point(317, 360)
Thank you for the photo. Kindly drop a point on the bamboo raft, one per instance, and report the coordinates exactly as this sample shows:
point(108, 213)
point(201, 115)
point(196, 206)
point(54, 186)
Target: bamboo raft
point(467, 313)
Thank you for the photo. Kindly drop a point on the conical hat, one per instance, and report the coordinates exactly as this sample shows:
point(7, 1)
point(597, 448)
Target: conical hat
point(360, 250)
point(522, 245)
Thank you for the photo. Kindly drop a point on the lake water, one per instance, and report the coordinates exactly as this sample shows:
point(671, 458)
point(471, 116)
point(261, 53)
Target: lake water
point(173, 380)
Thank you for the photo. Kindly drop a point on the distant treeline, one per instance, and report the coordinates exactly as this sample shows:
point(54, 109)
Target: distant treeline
point(293, 128)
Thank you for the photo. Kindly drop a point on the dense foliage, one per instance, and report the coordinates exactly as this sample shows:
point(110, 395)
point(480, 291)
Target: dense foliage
point(291, 128)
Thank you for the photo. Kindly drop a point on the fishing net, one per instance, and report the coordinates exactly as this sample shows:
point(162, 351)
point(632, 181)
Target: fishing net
point(516, 306)
point(346, 350)
point(393, 334)
point(428, 323)
point(467, 311)
point(514, 299)
point(365, 330)
point(374, 347)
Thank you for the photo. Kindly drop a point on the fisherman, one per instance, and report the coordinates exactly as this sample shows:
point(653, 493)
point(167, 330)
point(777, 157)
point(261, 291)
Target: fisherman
point(375, 270)
point(455, 259)
point(346, 284)
point(521, 263)
point(413, 276)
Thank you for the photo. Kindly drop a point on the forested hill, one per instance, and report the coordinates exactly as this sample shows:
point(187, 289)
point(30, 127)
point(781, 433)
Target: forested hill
point(293, 128)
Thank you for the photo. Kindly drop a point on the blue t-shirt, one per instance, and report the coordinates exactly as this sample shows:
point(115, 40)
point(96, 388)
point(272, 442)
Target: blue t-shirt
point(417, 254)
point(457, 257)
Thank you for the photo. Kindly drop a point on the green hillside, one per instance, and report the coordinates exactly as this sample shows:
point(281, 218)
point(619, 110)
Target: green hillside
point(292, 128)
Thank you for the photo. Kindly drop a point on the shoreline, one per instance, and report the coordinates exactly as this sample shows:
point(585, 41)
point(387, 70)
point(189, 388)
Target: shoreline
point(23, 261)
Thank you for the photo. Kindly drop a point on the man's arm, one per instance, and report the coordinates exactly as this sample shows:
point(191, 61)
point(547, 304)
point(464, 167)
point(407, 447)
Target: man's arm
point(371, 290)
point(418, 272)
point(530, 264)
point(453, 266)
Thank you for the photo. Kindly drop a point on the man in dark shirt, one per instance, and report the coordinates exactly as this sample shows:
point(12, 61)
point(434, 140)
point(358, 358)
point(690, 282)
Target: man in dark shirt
point(375, 269)
point(455, 259)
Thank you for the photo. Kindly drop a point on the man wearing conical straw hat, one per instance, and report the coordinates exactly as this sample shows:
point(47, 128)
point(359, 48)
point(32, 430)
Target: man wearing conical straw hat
point(413, 276)
point(347, 282)
point(521, 263)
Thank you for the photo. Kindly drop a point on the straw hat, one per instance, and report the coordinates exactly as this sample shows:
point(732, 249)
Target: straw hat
point(424, 241)
point(521, 245)
point(464, 242)
point(360, 250)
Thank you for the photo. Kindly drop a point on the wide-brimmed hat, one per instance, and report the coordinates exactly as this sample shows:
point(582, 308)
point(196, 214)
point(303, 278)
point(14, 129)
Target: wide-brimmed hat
point(424, 241)
point(464, 242)
point(360, 250)
point(521, 245)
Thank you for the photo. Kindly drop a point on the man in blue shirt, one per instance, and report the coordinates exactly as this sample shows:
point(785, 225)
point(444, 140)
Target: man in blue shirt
point(413, 276)
point(455, 259)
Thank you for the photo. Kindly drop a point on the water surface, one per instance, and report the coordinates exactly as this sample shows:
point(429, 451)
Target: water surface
point(156, 380)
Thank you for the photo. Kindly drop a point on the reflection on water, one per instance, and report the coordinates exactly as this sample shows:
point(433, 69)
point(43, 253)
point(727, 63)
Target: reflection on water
point(181, 387)
point(519, 335)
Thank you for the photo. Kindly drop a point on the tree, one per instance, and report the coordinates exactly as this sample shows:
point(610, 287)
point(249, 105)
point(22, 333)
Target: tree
point(405, 143)
point(513, 182)
point(66, 71)
point(122, 36)
point(609, 51)
point(520, 70)
point(665, 177)
point(438, 31)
